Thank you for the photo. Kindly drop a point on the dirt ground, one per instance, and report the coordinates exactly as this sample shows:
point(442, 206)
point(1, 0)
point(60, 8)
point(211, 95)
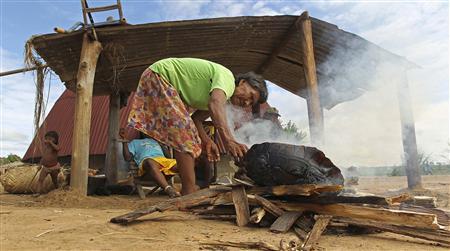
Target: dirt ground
point(62, 221)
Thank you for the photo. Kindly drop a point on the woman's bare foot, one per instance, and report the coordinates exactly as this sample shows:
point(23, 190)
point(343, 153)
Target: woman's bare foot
point(171, 192)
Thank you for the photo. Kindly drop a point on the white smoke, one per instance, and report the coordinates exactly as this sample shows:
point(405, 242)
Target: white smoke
point(258, 130)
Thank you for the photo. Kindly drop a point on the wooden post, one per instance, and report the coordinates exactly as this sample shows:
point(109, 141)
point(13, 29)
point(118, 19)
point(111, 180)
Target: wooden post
point(90, 52)
point(112, 152)
point(309, 65)
point(408, 134)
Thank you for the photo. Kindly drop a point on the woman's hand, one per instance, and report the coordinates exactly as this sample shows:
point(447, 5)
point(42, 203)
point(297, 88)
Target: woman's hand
point(212, 151)
point(236, 149)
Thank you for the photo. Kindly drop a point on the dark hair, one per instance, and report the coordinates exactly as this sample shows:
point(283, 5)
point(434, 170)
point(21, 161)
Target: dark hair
point(52, 134)
point(257, 82)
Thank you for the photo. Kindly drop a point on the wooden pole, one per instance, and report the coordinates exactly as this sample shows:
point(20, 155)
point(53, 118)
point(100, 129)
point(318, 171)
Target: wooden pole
point(112, 158)
point(408, 134)
point(309, 65)
point(90, 52)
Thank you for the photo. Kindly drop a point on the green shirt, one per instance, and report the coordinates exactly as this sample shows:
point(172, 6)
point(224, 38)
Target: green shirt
point(195, 79)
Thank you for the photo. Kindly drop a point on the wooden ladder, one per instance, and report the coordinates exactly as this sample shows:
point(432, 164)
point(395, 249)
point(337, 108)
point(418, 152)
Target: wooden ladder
point(87, 13)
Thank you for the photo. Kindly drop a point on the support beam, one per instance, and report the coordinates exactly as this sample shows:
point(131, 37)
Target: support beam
point(90, 52)
point(408, 134)
point(315, 116)
point(112, 152)
point(280, 46)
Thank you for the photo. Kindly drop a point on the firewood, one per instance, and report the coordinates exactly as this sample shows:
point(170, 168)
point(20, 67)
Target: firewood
point(304, 190)
point(304, 225)
point(439, 236)
point(194, 199)
point(383, 215)
point(257, 215)
point(285, 222)
point(317, 230)
point(443, 217)
point(347, 198)
point(241, 205)
point(260, 245)
point(266, 204)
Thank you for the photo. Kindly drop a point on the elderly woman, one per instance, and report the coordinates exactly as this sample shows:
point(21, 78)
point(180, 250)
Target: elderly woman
point(169, 88)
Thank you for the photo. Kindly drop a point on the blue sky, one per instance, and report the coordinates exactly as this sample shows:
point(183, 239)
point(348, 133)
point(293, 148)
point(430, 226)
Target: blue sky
point(368, 128)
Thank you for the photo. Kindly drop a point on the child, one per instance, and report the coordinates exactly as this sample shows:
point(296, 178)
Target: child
point(149, 156)
point(49, 160)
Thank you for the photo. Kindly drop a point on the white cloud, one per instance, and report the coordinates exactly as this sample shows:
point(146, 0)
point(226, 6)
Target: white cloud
point(17, 93)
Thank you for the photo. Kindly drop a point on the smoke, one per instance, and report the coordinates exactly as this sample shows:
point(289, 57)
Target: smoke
point(257, 131)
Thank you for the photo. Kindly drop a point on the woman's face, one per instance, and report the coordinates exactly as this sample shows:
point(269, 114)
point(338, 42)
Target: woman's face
point(244, 95)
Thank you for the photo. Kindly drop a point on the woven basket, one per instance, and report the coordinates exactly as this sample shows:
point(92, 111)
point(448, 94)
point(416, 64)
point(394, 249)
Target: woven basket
point(24, 179)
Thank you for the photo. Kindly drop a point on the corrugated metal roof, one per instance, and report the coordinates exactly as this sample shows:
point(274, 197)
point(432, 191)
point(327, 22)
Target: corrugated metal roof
point(239, 43)
point(60, 119)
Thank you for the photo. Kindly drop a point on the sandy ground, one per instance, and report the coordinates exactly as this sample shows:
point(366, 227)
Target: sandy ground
point(60, 221)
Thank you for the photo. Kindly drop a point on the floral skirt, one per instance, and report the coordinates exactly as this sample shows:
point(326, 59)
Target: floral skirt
point(158, 111)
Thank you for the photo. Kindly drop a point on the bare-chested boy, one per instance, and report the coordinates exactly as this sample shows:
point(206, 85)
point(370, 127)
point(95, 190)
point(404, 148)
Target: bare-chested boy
point(49, 161)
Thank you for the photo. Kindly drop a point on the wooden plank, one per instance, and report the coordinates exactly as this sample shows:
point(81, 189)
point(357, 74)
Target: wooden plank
point(112, 153)
point(82, 123)
point(315, 114)
point(245, 245)
point(303, 190)
point(304, 225)
point(102, 8)
point(443, 217)
point(204, 196)
point(266, 204)
point(440, 236)
point(313, 236)
point(333, 199)
point(285, 222)
point(388, 216)
point(241, 205)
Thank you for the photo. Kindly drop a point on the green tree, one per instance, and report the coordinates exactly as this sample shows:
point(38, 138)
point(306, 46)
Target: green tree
point(291, 129)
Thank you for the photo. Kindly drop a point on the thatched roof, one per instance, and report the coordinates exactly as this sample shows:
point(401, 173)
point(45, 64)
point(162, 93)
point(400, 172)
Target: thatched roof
point(240, 43)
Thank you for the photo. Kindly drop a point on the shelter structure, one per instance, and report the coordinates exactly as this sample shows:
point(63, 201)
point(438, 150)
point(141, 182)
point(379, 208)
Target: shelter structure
point(286, 50)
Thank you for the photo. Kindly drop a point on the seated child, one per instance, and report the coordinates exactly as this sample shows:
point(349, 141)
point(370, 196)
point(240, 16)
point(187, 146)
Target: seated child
point(49, 160)
point(149, 156)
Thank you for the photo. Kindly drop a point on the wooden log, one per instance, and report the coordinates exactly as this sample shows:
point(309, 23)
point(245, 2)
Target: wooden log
point(443, 217)
point(90, 52)
point(266, 204)
point(329, 199)
point(388, 216)
point(215, 210)
point(194, 199)
point(241, 205)
point(303, 190)
point(285, 222)
point(112, 153)
point(315, 114)
point(257, 215)
point(408, 134)
point(304, 225)
point(440, 236)
point(317, 230)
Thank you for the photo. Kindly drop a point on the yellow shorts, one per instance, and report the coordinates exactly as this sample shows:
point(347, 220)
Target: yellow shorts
point(165, 165)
